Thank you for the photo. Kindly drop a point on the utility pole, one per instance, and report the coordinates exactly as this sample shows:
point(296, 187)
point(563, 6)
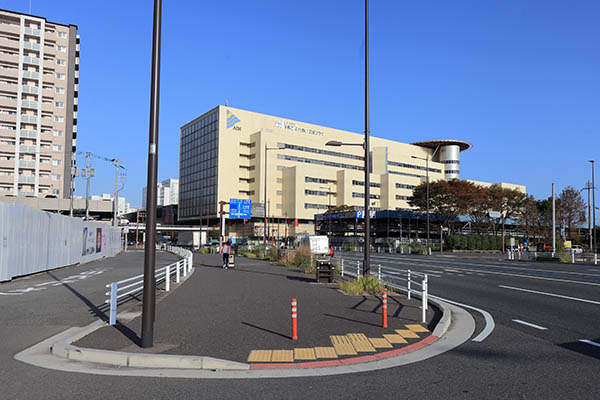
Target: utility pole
point(553, 221)
point(367, 216)
point(89, 172)
point(149, 299)
point(116, 202)
point(589, 187)
point(74, 174)
point(593, 205)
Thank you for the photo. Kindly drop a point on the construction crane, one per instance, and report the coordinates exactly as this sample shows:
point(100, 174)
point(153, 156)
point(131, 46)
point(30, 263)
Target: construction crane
point(89, 172)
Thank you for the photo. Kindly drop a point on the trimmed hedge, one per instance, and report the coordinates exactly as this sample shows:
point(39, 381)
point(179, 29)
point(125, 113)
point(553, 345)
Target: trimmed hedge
point(475, 242)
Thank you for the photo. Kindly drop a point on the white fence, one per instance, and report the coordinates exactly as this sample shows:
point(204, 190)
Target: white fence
point(567, 256)
point(124, 289)
point(34, 241)
point(401, 279)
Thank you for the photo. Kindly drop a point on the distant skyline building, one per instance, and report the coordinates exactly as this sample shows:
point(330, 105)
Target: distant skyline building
point(39, 83)
point(167, 193)
point(124, 206)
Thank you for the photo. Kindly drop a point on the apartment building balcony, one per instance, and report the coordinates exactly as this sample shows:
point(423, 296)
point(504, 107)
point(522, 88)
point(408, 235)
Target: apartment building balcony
point(32, 119)
point(26, 133)
point(31, 75)
point(29, 164)
point(48, 108)
point(30, 89)
point(27, 179)
point(8, 103)
point(7, 148)
point(7, 164)
point(31, 60)
point(9, 73)
point(46, 182)
point(9, 58)
point(8, 118)
point(11, 28)
point(32, 31)
point(33, 105)
point(27, 149)
point(31, 46)
point(4, 179)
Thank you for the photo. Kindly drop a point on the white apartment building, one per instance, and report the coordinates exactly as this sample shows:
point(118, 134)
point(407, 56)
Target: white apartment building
point(167, 193)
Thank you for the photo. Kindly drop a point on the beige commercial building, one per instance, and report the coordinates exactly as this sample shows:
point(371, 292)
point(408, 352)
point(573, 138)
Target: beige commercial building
point(223, 156)
point(39, 77)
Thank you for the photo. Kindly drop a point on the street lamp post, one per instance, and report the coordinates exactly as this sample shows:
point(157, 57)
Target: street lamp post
point(427, 179)
point(328, 187)
point(594, 204)
point(265, 199)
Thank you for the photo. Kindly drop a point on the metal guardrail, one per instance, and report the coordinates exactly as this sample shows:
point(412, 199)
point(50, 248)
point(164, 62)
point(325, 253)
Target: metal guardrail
point(127, 287)
point(390, 277)
point(571, 256)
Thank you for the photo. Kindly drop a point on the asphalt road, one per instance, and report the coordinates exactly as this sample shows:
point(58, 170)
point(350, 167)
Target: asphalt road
point(514, 362)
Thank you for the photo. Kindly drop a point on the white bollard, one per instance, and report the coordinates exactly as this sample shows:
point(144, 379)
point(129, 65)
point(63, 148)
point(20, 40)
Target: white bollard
point(423, 305)
point(342, 262)
point(114, 288)
point(519, 255)
point(426, 288)
point(572, 257)
point(357, 270)
point(168, 278)
point(408, 294)
point(177, 274)
point(184, 268)
point(596, 258)
point(379, 272)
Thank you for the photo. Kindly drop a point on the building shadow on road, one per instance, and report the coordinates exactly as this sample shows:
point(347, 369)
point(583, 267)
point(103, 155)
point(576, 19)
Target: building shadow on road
point(583, 348)
point(99, 312)
point(266, 330)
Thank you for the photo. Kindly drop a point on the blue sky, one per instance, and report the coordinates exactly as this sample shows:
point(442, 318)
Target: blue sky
point(518, 79)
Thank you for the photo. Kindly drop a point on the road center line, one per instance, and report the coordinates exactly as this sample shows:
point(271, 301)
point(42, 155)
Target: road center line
point(589, 342)
point(550, 294)
point(518, 321)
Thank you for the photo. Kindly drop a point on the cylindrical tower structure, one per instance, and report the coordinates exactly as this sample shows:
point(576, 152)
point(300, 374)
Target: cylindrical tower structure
point(447, 152)
point(450, 157)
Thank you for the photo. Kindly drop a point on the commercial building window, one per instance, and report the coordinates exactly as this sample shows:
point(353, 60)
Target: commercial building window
point(404, 186)
point(315, 206)
point(60, 90)
point(318, 162)
point(309, 192)
point(398, 197)
point(60, 61)
point(58, 118)
point(60, 76)
point(451, 162)
point(60, 104)
point(405, 174)
point(319, 151)
point(362, 195)
point(453, 171)
point(404, 165)
point(362, 183)
point(58, 133)
point(310, 179)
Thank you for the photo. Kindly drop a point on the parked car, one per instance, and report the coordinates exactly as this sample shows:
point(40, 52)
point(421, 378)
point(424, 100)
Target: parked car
point(577, 249)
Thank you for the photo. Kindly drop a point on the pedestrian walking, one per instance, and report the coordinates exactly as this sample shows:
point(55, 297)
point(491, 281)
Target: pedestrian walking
point(226, 251)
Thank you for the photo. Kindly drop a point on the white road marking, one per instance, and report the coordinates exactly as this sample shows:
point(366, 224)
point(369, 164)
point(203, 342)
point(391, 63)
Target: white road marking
point(10, 294)
point(589, 342)
point(518, 321)
point(551, 294)
point(505, 273)
point(489, 321)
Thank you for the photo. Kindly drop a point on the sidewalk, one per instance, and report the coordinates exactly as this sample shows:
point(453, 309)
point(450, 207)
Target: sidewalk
point(246, 312)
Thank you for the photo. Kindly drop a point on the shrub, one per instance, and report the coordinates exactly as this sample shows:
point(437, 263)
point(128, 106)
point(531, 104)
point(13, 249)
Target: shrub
point(302, 259)
point(365, 285)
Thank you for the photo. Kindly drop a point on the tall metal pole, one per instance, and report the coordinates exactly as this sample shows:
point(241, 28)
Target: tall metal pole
point(116, 202)
point(589, 187)
point(149, 299)
point(87, 187)
point(367, 248)
point(553, 220)
point(265, 200)
point(594, 205)
point(73, 173)
point(427, 178)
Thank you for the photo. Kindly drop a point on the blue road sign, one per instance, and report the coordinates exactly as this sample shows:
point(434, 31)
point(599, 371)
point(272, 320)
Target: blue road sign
point(240, 208)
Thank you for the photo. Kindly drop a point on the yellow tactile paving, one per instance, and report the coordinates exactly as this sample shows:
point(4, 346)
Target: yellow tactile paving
point(417, 328)
point(394, 338)
point(380, 343)
point(407, 334)
point(325, 352)
point(260, 356)
point(307, 353)
point(342, 346)
point(360, 342)
point(282, 356)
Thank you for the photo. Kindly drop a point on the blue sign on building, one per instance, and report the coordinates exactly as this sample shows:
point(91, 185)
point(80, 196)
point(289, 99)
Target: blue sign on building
point(240, 208)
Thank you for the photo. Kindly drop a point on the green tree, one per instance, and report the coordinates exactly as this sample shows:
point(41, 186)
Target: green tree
point(570, 210)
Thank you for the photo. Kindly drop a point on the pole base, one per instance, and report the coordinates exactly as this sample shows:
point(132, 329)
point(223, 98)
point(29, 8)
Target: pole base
point(147, 339)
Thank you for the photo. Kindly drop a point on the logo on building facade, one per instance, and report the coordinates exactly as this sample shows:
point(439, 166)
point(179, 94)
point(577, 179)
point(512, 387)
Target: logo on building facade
point(232, 120)
point(296, 128)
